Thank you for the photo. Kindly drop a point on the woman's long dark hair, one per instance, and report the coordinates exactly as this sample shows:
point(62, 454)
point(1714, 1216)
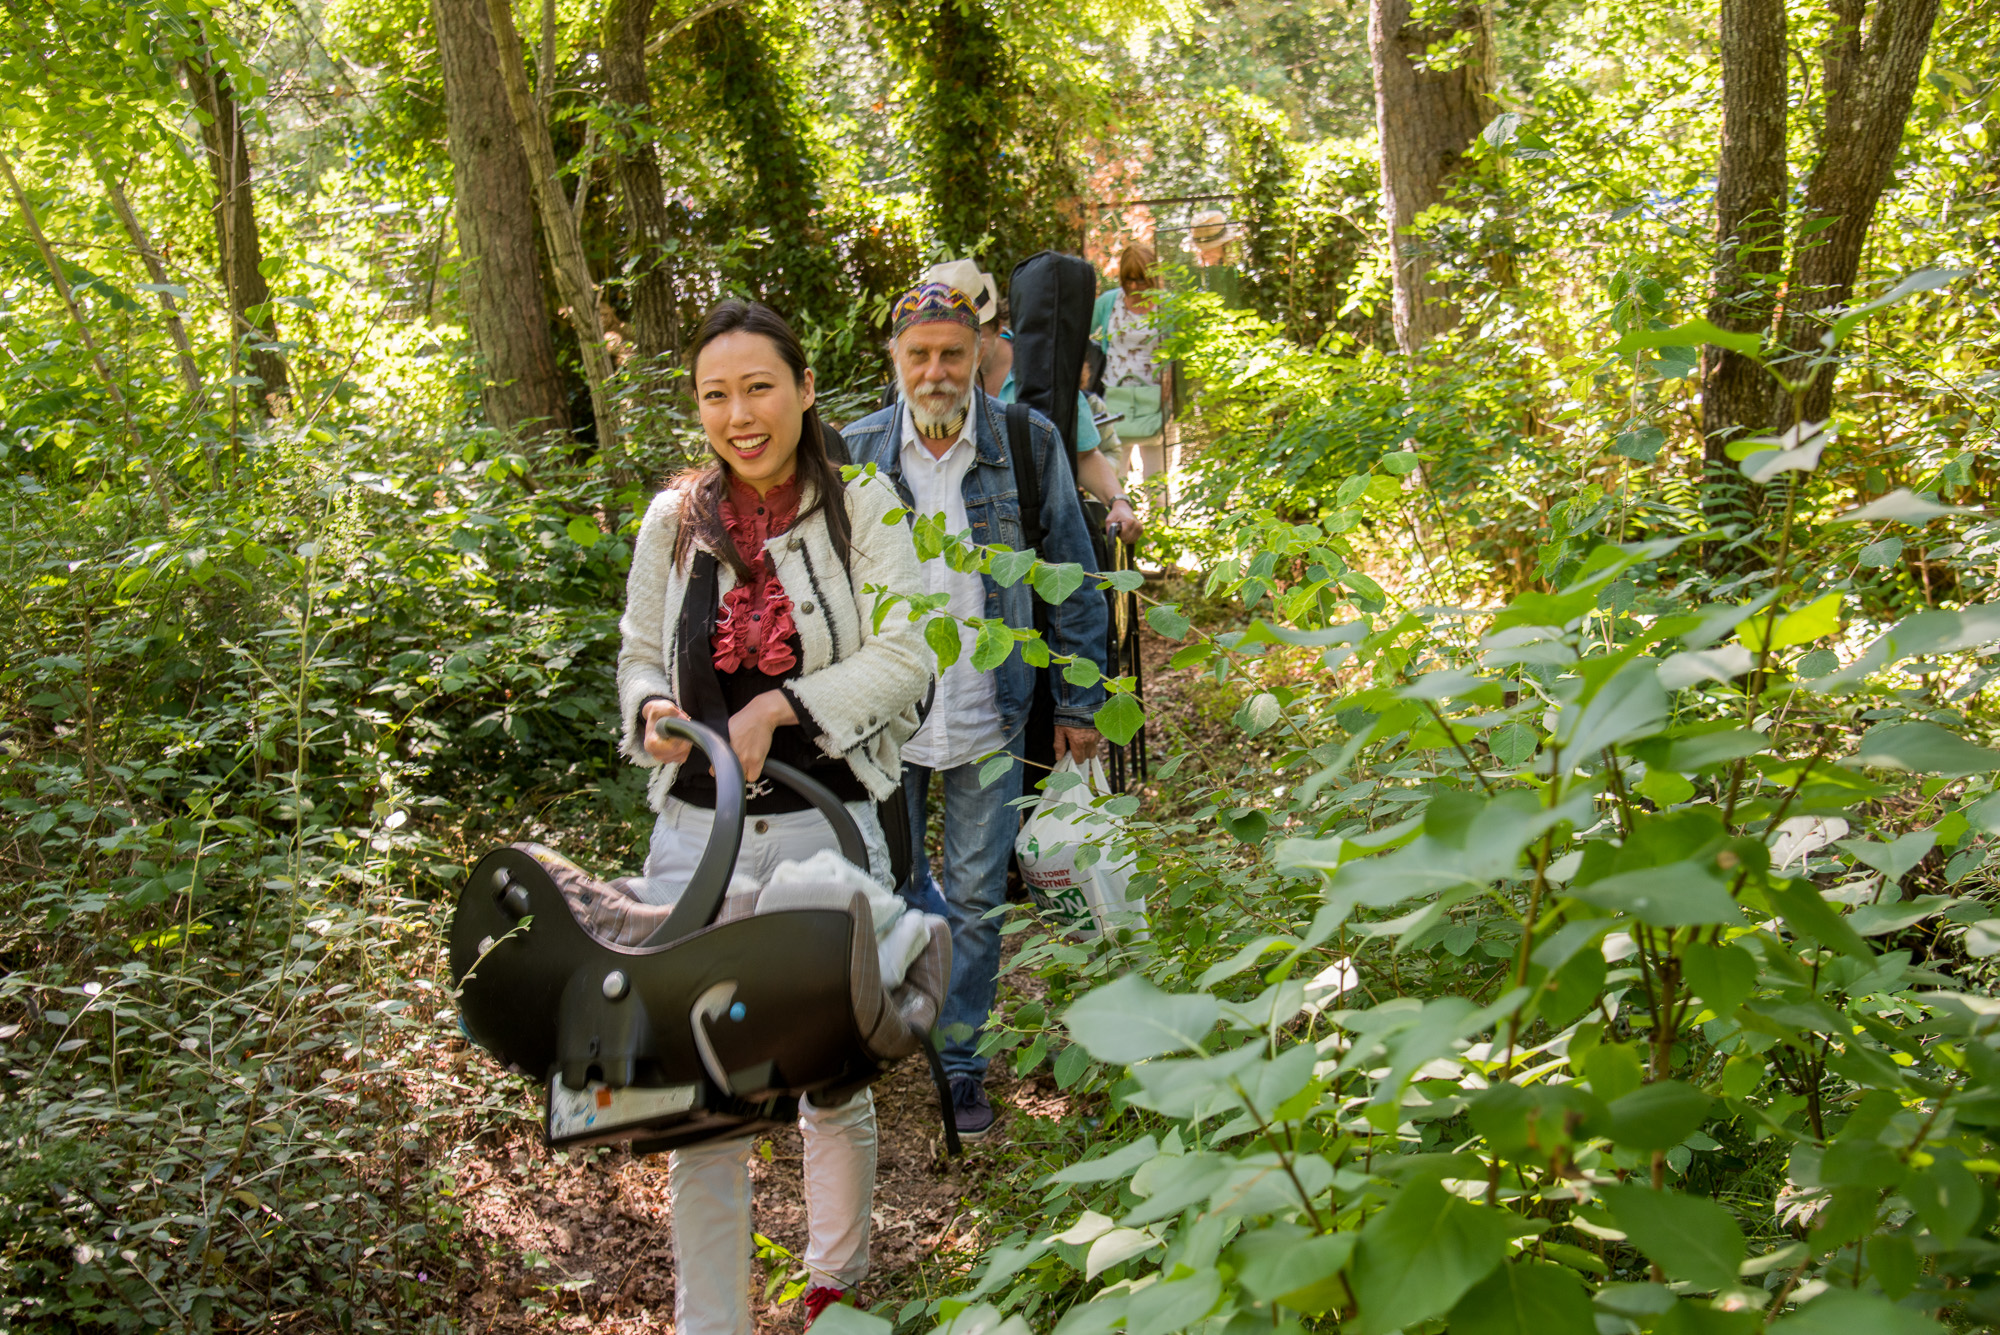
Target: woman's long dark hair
point(819, 480)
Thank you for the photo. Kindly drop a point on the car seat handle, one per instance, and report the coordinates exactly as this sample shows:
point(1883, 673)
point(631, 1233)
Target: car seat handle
point(852, 846)
point(702, 900)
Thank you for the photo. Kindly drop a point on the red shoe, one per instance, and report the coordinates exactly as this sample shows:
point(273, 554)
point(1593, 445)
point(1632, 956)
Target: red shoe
point(818, 1299)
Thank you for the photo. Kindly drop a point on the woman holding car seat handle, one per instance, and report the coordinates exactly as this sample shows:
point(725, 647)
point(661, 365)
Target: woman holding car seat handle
point(746, 609)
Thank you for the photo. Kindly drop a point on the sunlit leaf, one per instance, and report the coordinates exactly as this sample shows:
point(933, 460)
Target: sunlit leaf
point(1923, 748)
point(1131, 1020)
point(1903, 506)
point(1525, 1298)
point(1418, 1257)
point(1690, 1237)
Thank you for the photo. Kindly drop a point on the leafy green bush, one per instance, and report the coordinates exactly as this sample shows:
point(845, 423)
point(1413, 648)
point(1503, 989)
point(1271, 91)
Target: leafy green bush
point(1610, 962)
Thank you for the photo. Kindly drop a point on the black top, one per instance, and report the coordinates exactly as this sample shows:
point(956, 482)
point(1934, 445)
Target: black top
point(796, 744)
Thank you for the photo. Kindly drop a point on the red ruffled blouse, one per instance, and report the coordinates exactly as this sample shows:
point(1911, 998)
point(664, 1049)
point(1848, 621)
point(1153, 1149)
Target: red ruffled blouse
point(754, 627)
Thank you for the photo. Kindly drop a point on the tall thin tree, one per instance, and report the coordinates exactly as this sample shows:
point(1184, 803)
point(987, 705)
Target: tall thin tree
point(642, 194)
point(239, 251)
point(521, 383)
point(1870, 62)
point(1736, 396)
point(1428, 111)
point(567, 260)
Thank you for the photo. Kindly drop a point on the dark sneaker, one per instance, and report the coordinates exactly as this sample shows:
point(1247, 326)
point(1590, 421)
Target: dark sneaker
point(818, 1299)
point(970, 1108)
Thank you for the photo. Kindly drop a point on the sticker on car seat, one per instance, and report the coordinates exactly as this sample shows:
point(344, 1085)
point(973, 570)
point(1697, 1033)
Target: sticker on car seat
point(596, 1108)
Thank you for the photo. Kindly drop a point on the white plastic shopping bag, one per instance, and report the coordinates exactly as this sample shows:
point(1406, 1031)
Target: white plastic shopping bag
point(1094, 897)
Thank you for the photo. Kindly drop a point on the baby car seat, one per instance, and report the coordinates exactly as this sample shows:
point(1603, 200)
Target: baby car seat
point(671, 1025)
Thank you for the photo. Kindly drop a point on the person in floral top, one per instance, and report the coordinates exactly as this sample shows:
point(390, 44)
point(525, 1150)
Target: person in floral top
point(1138, 382)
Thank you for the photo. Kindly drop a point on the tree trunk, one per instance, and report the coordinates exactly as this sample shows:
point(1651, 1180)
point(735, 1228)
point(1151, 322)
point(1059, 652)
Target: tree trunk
point(1871, 70)
point(1427, 119)
point(1737, 394)
point(520, 383)
point(239, 255)
point(655, 310)
point(559, 230)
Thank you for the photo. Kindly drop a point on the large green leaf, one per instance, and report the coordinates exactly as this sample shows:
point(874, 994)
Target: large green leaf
point(1522, 1120)
point(1173, 1182)
point(1131, 1020)
point(840, 1319)
point(1284, 1264)
point(1923, 748)
point(1904, 507)
point(1056, 582)
point(941, 634)
point(1695, 332)
point(1680, 894)
point(1657, 1116)
point(1723, 976)
point(1525, 1298)
point(1896, 857)
point(992, 645)
point(1120, 717)
point(1923, 280)
point(1937, 631)
point(1483, 843)
point(1418, 1257)
point(1846, 1312)
point(1193, 1088)
point(1947, 1197)
point(1806, 913)
point(1167, 621)
point(1120, 1163)
point(1690, 1237)
point(1698, 1318)
point(1631, 704)
point(1160, 1309)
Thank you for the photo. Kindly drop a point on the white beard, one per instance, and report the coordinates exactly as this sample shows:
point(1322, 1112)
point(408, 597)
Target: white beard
point(935, 413)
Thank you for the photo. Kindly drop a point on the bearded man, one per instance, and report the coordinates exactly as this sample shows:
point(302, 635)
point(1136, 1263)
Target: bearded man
point(945, 448)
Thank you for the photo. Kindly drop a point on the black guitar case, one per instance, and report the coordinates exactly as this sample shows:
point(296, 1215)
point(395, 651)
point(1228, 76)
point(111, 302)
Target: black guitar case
point(1049, 300)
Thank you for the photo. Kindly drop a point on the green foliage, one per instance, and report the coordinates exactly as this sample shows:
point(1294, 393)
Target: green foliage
point(746, 81)
point(1570, 910)
point(1544, 976)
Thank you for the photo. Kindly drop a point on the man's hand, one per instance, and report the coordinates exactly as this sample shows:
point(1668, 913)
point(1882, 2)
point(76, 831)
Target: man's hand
point(750, 730)
point(1124, 523)
point(668, 751)
point(1079, 742)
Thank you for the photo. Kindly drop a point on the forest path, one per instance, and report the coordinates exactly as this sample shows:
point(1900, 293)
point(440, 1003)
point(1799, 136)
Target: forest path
point(582, 1241)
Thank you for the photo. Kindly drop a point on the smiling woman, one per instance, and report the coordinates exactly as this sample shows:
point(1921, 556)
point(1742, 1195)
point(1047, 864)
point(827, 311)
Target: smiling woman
point(752, 608)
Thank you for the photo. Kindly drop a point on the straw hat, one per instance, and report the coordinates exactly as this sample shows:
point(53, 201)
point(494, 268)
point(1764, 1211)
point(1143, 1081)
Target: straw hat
point(1212, 228)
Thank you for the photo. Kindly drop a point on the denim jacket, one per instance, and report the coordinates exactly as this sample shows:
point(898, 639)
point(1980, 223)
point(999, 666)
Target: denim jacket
point(1078, 625)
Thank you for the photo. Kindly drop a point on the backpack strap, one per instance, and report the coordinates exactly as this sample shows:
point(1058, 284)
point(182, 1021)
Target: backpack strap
point(1027, 481)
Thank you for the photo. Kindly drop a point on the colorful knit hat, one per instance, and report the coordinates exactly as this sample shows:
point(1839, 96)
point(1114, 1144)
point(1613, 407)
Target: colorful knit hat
point(966, 277)
point(933, 303)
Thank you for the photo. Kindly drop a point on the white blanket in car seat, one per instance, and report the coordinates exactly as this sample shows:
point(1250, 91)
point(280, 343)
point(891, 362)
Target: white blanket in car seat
point(900, 931)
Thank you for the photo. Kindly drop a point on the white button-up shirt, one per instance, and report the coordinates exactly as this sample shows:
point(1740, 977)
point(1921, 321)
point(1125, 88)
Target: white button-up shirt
point(964, 722)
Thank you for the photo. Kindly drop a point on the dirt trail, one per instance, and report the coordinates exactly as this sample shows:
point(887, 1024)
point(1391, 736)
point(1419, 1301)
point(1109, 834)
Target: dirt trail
point(581, 1241)
point(558, 1243)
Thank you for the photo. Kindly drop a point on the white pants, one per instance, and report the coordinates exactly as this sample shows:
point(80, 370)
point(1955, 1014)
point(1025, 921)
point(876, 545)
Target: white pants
point(1152, 465)
point(708, 1185)
point(680, 837)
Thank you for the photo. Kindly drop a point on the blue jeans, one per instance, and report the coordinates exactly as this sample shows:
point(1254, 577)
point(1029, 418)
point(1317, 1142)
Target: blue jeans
point(979, 829)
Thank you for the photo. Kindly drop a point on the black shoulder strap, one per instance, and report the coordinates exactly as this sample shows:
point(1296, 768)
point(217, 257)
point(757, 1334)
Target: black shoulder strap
point(700, 687)
point(1027, 481)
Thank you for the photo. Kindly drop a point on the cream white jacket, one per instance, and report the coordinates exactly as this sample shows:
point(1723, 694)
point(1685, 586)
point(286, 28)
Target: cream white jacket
point(861, 685)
